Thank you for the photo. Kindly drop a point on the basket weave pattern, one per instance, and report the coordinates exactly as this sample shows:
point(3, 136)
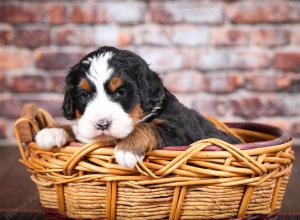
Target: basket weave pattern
point(194, 183)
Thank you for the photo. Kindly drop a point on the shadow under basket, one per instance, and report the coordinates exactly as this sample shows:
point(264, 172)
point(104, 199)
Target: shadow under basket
point(210, 179)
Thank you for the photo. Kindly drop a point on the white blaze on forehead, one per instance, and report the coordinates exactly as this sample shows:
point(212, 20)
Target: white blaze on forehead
point(100, 71)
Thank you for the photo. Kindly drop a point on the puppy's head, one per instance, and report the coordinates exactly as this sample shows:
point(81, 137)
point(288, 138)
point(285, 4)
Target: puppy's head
point(108, 91)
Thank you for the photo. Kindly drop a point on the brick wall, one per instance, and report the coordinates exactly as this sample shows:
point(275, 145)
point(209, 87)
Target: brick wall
point(238, 60)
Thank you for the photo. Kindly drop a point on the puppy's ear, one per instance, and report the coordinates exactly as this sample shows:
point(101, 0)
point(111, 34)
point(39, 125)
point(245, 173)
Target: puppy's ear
point(151, 89)
point(71, 79)
point(68, 104)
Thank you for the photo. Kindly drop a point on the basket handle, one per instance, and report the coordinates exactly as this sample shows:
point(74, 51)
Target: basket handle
point(32, 120)
point(223, 127)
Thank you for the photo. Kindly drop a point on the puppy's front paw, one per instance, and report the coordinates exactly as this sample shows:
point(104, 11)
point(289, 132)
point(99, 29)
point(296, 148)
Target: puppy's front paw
point(51, 137)
point(127, 158)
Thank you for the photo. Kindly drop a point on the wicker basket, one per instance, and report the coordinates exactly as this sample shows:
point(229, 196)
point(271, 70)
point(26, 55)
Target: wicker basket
point(210, 179)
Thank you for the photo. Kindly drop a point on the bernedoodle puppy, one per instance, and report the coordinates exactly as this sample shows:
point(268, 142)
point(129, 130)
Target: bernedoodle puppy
point(113, 96)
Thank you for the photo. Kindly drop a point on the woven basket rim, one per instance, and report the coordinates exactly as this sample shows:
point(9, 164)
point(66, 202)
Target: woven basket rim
point(276, 134)
point(281, 137)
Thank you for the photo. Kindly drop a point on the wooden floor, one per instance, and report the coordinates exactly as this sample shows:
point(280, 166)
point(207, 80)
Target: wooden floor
point(18, 193)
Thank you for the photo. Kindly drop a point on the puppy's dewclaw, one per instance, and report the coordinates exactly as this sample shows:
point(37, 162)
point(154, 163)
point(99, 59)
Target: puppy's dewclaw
point(51, 137)
point(127, 158)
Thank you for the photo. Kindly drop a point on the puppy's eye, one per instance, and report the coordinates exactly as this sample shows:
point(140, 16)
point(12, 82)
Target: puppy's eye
point(121, 92)
point(85, 94)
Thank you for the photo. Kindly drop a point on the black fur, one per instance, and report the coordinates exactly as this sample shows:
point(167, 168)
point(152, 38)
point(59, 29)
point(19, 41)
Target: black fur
point(150, 86)
point(73, 99)
point(179, 125)
point(68, 105)
point(184, 126)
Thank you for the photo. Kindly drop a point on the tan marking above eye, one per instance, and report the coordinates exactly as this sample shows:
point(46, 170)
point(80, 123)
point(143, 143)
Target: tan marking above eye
point(137, 112)
point(115, 83)
point(77, 113)
point(84, 84)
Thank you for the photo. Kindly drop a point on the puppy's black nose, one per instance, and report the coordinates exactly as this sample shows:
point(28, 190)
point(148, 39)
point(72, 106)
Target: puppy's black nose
point(103, 124)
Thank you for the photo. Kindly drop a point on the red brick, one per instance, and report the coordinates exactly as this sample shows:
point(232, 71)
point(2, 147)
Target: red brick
point(118, 12)
point(223, 83)
point(193, 12)
point(287, 60)
point(11, 107)
point(252, 106)
point(243, 60)
point(6, 36)
point(74, 36)
point(291, 103)
point(264, 12)
point(2, 82)
point(209, 105)
point(271, 37)
point(295, 129)
point(190, 57)
point(32, 37)
point(3, 129)
point(162, 59)
point(189, 35)
point(295, 37)
point(87, 13)
point(57, 82)
point(272, 82)
point(51, 60)
point(184, 82)
point(289, 82)
point(230, 37)
point(57, 14)
point(124, 38)
point(22, 13)
point(27, 83)
point(51, 104)
point(106, 35)
point(112, 35)
point(261, 82)
point(15, 58)
point(151, 35)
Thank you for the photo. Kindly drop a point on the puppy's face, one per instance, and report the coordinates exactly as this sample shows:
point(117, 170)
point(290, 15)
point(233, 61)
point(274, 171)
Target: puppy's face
point(106, 94)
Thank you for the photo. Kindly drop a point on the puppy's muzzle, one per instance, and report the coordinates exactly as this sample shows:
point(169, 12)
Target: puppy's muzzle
point(103, 124)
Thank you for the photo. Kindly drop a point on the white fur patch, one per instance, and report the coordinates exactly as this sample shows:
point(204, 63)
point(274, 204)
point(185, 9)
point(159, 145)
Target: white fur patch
point(99, 71)
point(127, 158)
point(101, 107)
point(51, 137)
